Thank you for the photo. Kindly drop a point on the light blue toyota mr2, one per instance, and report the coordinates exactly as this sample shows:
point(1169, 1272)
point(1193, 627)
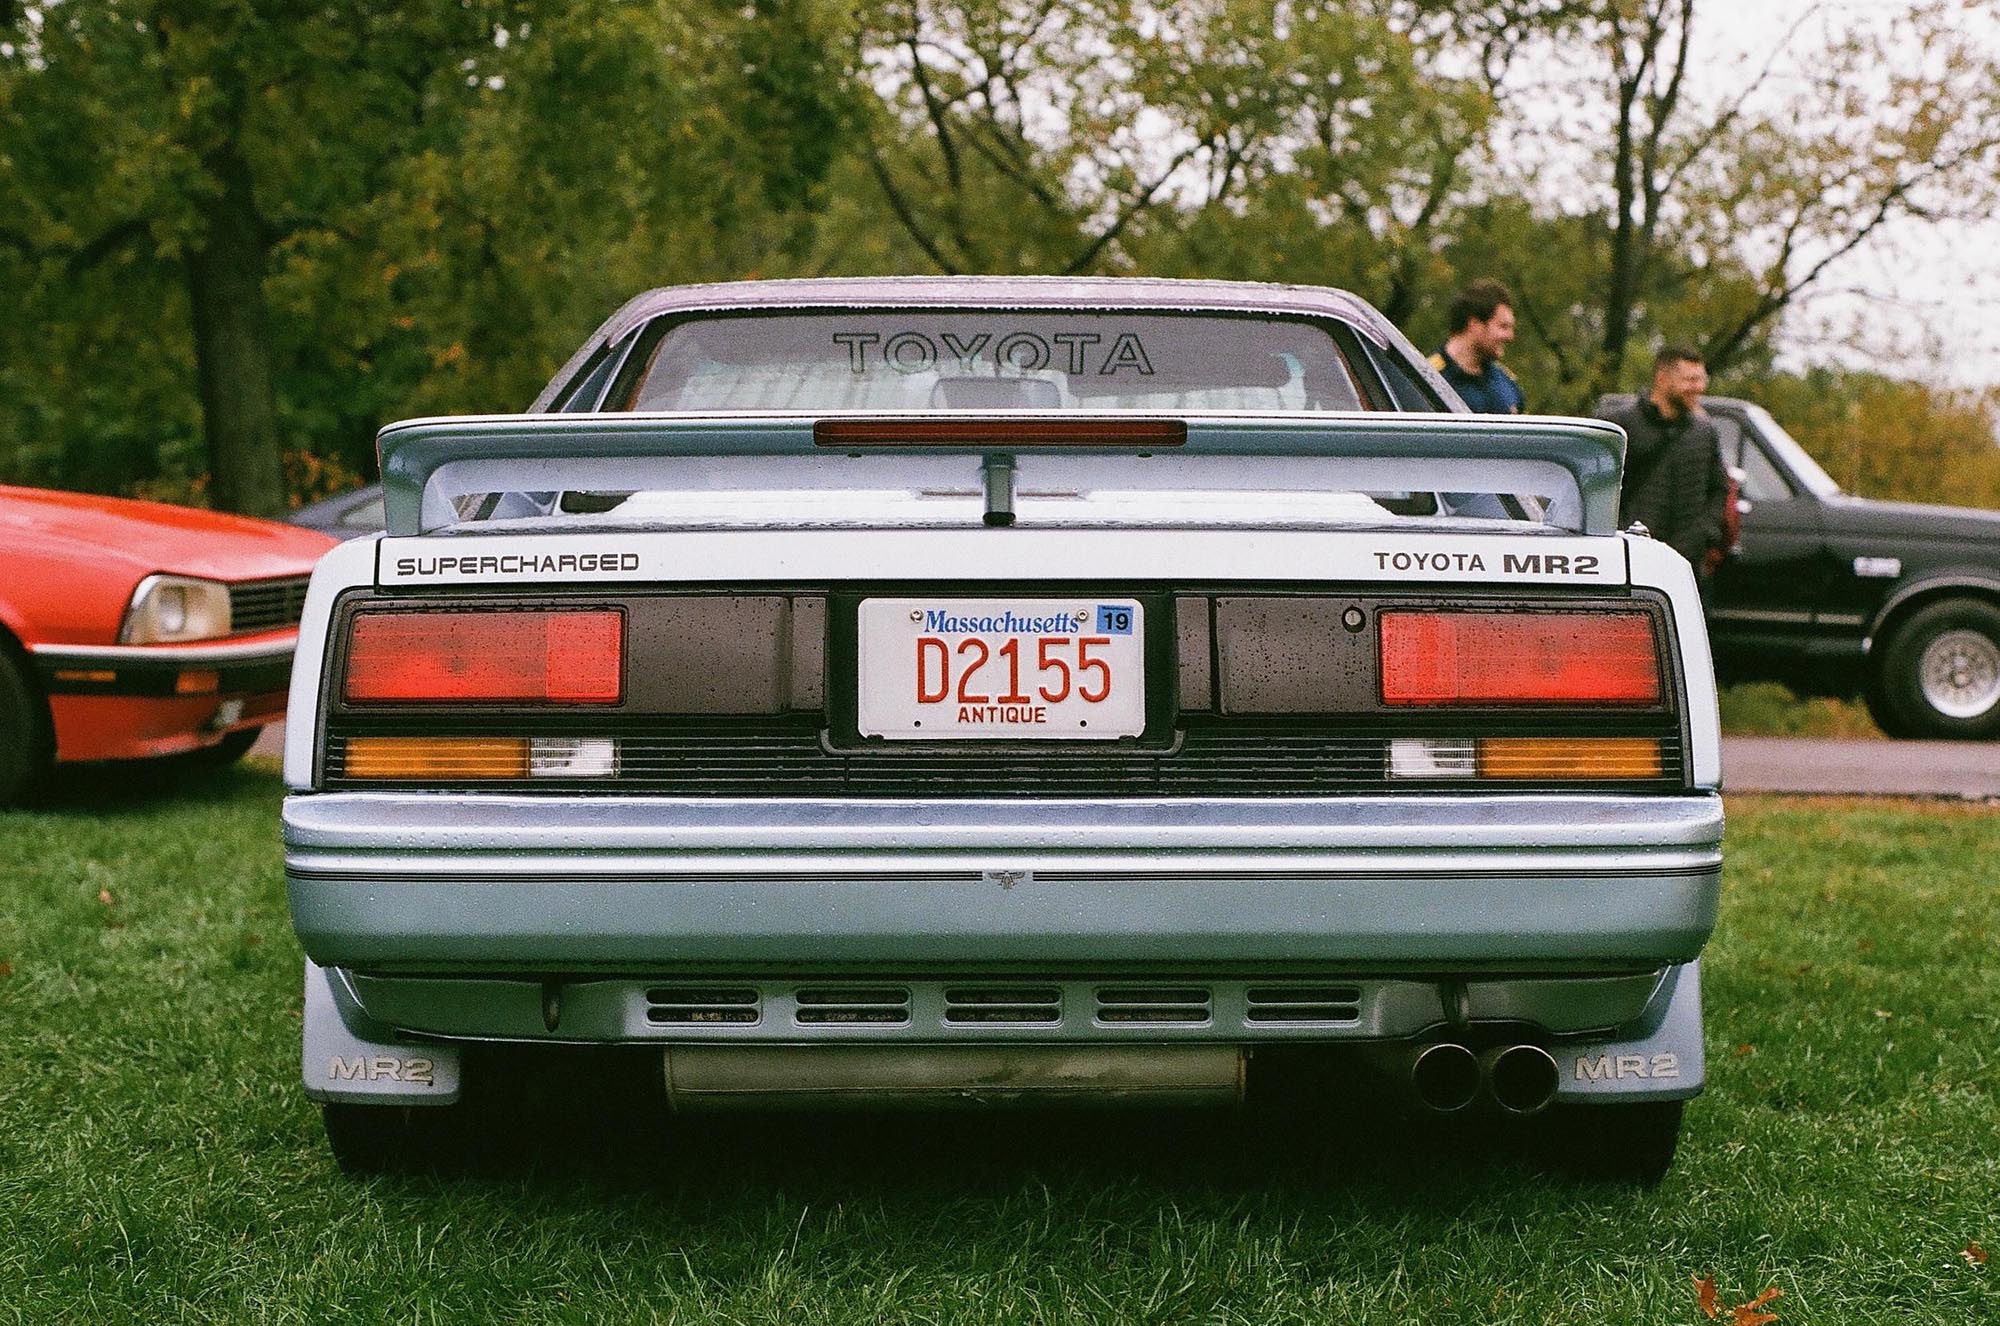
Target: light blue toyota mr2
point(1006, 691)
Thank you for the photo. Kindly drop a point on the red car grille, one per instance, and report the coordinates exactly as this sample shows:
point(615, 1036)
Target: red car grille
point(261, 605)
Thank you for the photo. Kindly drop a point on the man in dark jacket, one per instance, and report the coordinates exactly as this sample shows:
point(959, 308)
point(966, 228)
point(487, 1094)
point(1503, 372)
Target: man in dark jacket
point(1674, 481)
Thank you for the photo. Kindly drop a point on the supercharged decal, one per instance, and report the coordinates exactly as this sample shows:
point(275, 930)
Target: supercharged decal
point(516, 564)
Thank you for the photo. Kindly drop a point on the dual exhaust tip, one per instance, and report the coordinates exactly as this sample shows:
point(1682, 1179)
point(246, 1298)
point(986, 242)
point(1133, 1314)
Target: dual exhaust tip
point(1448, 1077)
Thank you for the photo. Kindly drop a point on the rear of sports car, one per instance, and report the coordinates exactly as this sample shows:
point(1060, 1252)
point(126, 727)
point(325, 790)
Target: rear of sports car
point(1012, 758)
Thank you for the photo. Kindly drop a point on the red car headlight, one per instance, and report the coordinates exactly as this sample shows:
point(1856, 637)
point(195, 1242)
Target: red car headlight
point(174, 609)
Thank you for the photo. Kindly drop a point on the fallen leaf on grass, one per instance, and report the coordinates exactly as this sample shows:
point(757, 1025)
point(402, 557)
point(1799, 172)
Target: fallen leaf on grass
point(1883, 1013)
point(104, 896)
point(1753, 1314)
point(7, 969)
point(1704, 1294)
point(1745, 1048)
point(1974, 1254)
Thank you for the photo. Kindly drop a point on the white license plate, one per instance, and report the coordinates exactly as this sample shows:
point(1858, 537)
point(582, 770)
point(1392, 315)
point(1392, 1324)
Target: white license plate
point(1012, 669)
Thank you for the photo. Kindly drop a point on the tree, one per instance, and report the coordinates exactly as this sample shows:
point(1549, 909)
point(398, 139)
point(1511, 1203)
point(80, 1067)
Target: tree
point(1895, 118)
point(1891, 438)
point(1023, 135)
point(332, 216)
point(189, 140)
point(994, 138)
point(1360, 162)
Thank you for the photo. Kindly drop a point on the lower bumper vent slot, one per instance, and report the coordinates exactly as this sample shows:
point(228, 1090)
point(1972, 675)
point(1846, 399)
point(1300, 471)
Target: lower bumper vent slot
point(693, 1005)
point(1304, 1003)
point(835, 1005)
point(1013, 1004)
point(1186, 1004)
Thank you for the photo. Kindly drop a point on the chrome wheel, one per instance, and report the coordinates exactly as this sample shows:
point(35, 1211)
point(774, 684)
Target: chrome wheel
point(1959, 672)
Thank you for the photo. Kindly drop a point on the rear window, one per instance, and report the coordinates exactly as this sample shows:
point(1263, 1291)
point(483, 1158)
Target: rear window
point(991, 359)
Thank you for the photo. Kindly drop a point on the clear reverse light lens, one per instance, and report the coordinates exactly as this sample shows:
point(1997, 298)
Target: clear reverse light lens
point(572, 757)
point(174, 609)
point(1427, 757)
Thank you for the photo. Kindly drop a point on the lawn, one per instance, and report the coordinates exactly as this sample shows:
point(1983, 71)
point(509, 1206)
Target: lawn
point(158, 1163)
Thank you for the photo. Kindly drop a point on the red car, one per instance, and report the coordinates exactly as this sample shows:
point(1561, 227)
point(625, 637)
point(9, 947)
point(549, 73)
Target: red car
point(133, 629)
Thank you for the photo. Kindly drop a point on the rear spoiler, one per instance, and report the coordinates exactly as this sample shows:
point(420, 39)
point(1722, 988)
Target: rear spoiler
point(1423, 452)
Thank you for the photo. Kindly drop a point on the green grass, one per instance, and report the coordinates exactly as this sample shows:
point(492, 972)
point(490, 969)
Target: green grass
point(158, 1163)
point(1767, 709)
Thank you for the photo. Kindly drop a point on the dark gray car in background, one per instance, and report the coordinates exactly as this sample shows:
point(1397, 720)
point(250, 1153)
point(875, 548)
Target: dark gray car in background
point(346, 515)
point(1832, 594)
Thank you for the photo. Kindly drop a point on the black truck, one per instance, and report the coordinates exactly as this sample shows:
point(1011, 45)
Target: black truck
point(1832, 594)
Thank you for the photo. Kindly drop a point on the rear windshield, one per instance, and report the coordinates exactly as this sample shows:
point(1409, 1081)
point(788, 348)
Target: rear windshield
point(991, 359)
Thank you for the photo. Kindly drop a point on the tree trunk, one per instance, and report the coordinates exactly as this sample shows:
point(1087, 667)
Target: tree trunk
point(225, 283)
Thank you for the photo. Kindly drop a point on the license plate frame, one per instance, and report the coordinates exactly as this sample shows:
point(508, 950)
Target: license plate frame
point(881, 648)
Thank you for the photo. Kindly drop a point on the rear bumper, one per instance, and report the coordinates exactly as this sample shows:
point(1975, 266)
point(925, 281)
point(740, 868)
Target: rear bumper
point(460, 885)
point(399, 1039)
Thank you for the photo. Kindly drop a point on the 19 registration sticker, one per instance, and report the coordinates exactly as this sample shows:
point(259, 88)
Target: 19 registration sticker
point(1070, 669)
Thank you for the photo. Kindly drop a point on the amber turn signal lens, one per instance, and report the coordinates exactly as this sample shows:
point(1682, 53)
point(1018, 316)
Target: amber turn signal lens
point(201, 681)
point(455, 758)
point(1496, 658)
point(1569, 757)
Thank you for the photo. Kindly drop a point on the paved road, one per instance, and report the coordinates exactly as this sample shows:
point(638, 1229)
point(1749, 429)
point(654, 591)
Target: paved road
point(271, 742)
point(1968, 769)
point(1866, 768)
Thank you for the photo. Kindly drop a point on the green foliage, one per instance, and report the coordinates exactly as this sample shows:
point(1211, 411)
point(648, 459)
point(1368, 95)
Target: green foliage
point(452, 195)
point(181, 145)
point(444, 196)
point(1767, 709)
point(1555, 266)
point(1892, 438)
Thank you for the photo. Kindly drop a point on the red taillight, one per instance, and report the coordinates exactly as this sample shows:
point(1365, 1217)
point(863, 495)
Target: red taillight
point(1446, 658)
point(548, 656)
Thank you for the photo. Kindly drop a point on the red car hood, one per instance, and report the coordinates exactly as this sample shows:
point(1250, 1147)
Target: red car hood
point(110, 534)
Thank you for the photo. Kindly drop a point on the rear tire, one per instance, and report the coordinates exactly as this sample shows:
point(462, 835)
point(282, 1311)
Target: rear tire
point(389, 1139)
point(1630, 1144)
point(24, 742)
point(1885, 717)
point(1940, 674)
